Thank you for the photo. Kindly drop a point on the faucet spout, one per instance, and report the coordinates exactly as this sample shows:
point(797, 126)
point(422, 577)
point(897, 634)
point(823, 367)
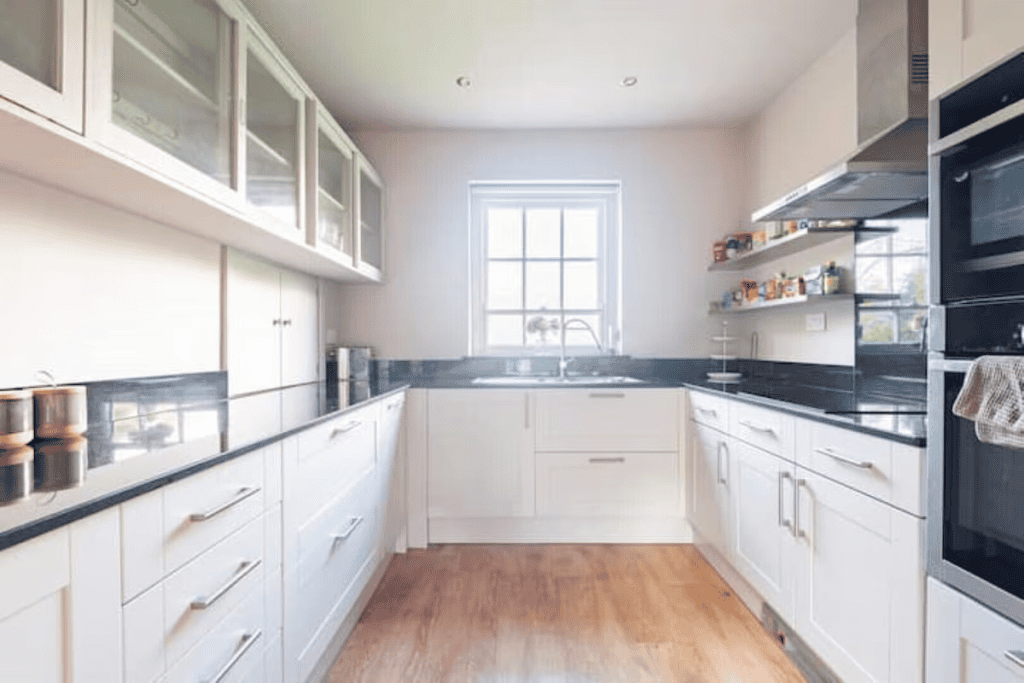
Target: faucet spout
point(575, 324)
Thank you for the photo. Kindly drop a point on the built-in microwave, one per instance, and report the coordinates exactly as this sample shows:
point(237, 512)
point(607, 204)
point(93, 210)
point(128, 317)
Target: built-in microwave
point(976, 175)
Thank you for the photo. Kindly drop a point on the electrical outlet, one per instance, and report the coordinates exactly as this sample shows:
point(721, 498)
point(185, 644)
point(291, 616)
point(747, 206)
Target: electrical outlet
point(814, 322)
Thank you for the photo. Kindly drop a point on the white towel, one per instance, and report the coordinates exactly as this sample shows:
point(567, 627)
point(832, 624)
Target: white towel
point(993, 397)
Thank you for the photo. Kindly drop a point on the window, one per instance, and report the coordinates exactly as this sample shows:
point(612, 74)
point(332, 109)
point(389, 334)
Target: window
point(892, 277)
point(544, 255)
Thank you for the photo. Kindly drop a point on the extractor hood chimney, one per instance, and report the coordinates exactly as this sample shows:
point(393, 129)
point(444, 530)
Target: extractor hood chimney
point(889, 170)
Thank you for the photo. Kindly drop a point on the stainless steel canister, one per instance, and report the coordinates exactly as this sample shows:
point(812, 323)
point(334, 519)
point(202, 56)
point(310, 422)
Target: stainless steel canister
point(15, 418)
point(60, 412)
point(15, 474)
point(61, 464)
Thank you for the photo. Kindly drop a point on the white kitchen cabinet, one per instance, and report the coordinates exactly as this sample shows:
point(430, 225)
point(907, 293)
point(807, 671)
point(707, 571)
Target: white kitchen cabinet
point(330, 166)
point(711, 486)
point(272, 326)
point(369, 192)
point(391, 468)
point(42, 58)
point(275, 123)
point(480, 453)
point(969, 643)
point(763, 549)
point(593, 420)
point(966, 37)
point(163, 88)
point(602, 484)
point(859, 582)
point(60, 611)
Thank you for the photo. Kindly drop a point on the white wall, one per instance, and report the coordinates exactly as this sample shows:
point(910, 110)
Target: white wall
point(89, 292)
point(681, 190)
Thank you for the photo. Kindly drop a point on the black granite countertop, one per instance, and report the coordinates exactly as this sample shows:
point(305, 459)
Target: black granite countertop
point(144, 434)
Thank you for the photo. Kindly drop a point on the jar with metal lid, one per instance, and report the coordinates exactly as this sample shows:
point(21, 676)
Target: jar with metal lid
point(15, 418)
point(16, 474)
point(60, 412)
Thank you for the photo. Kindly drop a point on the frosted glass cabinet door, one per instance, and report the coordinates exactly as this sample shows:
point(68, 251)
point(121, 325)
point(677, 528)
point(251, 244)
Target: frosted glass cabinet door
point(274, 116)
point(333, 191)
point(42, 57)
point(370, 191)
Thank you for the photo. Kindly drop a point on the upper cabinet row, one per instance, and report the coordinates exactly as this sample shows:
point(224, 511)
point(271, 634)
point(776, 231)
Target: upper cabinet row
point(195, 92)
point(966, 37)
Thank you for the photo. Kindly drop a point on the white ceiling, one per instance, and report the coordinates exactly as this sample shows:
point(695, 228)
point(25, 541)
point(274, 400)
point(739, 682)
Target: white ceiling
point(550, 63)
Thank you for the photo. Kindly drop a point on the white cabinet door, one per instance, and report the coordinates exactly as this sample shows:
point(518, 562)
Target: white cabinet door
point(60, 614)
point(42, 58)
point(763, 516)
point(709, 450)
point(299, 328)
point(330, 188)
point(253, 324)
point(945, 45)
point(991, 647)
point(592, 420)
point(992, 30)
point(860, 582)
point(480, 459)
point(369, 220)
point(391, 470)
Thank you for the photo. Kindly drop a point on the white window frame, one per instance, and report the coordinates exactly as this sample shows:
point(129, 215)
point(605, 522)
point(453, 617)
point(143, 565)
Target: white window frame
point(606, 195)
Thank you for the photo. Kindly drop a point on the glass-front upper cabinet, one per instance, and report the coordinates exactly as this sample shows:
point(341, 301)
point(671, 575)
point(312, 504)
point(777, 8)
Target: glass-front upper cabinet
point(370, 191)
point(274, 136)
point(331, 161)
point(163, 86)
point(42, 56)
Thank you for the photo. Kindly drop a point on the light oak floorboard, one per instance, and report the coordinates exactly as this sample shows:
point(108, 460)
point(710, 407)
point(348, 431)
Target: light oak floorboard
point(558, 614)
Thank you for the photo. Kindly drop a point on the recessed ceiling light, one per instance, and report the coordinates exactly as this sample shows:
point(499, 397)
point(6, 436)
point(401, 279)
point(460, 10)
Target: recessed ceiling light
point(462, 81)
point(628, 82)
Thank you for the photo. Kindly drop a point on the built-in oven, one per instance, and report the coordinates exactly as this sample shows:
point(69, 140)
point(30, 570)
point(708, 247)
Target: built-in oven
point(976, 176)
point(976, 489)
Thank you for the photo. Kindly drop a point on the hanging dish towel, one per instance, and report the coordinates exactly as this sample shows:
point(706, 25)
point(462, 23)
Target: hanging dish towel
point(993, 397)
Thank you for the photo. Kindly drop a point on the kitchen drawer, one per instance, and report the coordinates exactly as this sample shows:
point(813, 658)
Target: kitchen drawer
point(597, 484)
point(233, 648)
point(709, 410)
point(607, 420)
point(331, 549)
point(328, 462)
point(880, 468)
point(992, 647)
point(767, 429)
point(201, 510)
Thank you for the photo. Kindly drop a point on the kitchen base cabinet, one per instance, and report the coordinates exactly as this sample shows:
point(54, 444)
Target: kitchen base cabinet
point(591, 420)
point(607, 484)
point(60, 610)
point(710, 488)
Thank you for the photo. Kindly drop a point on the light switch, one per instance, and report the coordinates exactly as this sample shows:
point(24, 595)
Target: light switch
point(814, 322)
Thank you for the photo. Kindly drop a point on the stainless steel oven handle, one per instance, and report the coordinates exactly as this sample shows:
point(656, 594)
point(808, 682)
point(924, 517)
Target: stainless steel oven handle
point(1016, 656)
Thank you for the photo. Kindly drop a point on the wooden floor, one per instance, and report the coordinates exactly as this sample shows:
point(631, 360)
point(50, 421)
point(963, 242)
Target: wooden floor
point(558, 614)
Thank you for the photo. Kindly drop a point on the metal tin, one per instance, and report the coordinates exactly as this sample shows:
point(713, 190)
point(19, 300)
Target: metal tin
point(61, 464)
point(60, 412)
point(15, 418)
point(15, 474)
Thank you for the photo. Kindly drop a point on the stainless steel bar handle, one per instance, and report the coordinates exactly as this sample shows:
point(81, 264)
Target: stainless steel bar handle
point(346, 429)
point(783, 522)
point(863, 464)
point(353, 522)
point(607, 395)
point(248, 640)
point(596, 460)
point(526, 411)
point(721, 480)
point(1016, 656)
point(797, 531)
point(243, 494)
point(757, 427)
point(706, 411)
point(248, 567)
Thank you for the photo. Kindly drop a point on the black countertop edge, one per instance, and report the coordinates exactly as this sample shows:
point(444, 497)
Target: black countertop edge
point(919, 441)
point(39, 527)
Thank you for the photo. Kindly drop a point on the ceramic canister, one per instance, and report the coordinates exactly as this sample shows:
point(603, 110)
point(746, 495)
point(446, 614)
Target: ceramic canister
point(15, 418)
point(60, 412)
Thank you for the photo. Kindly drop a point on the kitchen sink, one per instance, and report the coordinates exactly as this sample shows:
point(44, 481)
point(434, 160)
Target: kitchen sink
point(517, 380)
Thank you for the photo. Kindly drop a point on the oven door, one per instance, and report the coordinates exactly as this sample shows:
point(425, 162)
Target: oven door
point(981, 212)
point(975, 502)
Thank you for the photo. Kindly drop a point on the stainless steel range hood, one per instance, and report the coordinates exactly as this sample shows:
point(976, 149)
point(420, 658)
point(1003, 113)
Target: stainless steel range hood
point(889, 170)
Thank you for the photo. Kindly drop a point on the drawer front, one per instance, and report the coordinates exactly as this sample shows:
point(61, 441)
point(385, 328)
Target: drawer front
point(331, 548)
point(323, 468)
point(992, 647)
point(607, 420)
point(767, 429)
point(709, 410)
point(233, 649)
point(201, 510)
point(208, 588)
point(880, 468)
point(334, 432)
point(597, 484)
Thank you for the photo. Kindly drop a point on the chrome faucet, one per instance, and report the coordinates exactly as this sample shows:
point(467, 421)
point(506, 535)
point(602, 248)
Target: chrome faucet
point(566, 326)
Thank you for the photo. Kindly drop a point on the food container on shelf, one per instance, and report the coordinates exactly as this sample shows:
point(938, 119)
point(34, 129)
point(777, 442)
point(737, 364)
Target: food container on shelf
point(60, 412)
point(15, 418)
point(749, 290)
point(718, 251)
point(15, 474)
point(760, 238)
point(813, 280)
point(61, 464)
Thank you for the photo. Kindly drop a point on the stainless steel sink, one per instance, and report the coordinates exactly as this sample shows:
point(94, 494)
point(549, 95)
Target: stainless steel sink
point(515, 380)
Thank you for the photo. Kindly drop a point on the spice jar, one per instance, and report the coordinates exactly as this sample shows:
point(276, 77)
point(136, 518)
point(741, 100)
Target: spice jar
point(830, 279)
